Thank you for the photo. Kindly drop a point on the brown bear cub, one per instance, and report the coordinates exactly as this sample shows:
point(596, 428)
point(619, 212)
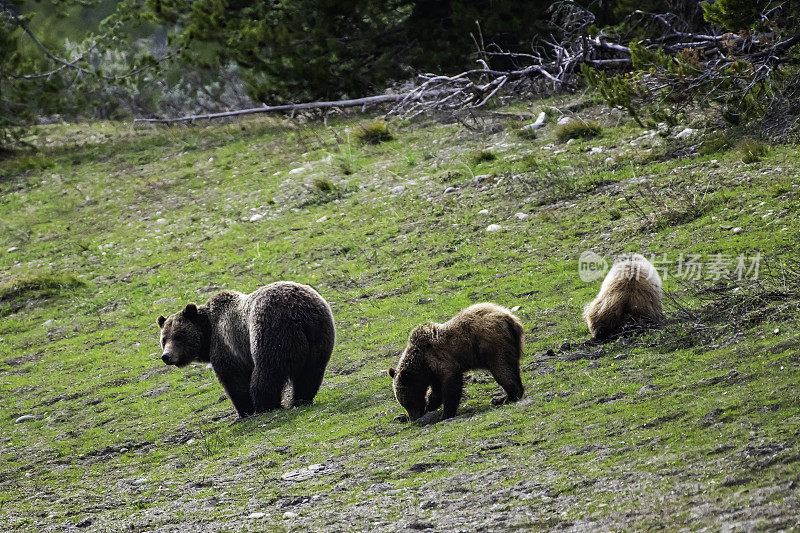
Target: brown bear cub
point(430, 370)
point(256, 343)
point(630, 296)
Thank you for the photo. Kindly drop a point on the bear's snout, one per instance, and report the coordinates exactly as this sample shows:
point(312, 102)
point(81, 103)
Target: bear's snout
point(167, 358)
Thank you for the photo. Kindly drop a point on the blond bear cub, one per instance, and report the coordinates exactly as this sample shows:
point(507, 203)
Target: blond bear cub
point(630, 296)
point(430, 370)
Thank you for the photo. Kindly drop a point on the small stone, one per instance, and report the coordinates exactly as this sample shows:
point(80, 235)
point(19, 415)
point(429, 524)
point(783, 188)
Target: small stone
point(564, 120)
point(289, 514)
point(257, 515)
point(161, 221)
point(521, 216)
point(209, 366)
point(398, 190)
point(48, 322)
point(686, 133)
point(737, 230)
point(256, 217)
point(494, 227)
point(483, 212)
point(210, 159)
point(776, 331)
point(297, 170)
point(450, 190)
point(13, 249)
point(190, 442)
point(140, 481)
point(595, 150)
point(570, 141)
point(515, 309)
point(646, 389)
point(25, 418)
point(322, 218)
point(609, 160)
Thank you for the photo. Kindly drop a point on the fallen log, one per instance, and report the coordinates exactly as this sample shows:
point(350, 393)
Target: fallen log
point(355, 102)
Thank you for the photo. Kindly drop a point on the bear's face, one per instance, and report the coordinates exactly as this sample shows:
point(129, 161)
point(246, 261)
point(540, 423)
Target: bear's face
point(410, 389)
point(182, 337)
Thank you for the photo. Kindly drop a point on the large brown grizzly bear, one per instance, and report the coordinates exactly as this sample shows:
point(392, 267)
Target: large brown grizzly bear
point(629, 296)
point(430, 370)
point(256, 343)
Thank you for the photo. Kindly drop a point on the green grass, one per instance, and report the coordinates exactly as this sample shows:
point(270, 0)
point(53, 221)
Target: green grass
point(688, 427)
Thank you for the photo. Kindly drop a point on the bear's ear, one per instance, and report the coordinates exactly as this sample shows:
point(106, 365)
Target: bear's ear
point(161, 321)
point(190, 312)
point(391, 372)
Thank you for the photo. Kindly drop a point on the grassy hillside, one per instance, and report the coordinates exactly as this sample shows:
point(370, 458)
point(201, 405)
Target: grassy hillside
point(107, 226)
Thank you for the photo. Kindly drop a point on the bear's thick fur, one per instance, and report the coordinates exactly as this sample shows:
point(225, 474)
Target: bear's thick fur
point(430, 370)
point(629, 296)
point(256, 343)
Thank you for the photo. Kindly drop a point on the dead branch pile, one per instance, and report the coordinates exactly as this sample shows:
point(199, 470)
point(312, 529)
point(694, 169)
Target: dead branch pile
point(556, 65)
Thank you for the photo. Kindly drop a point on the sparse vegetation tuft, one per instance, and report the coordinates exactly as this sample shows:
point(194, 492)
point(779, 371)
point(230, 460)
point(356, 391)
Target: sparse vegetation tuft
point(15, 291)
point(484, 156)
point(578, 129)
point(374, 133)
point(751, 150)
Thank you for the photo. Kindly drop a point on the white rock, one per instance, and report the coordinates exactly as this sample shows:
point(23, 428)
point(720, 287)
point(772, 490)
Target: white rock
point(256, 515)
point(538, 123)
point(776, 331)
point(609, 160)
point(322, 218)
point(140, 481)
point(570, 141)
point(48, 322)
point(450, 190)
point(686, 133)
point(25, 418)
point(737, 230)
point(161, 221)
point(398, 190)
point(210, 159)
point(297, 170)
point(13, 249)
point(563, 120)
point(190, 442)
point(595, 150)
point(483, 212)
point(494, 227)
point(521, 216)
point(256, 217)
point(289, 514)
point(515, 309)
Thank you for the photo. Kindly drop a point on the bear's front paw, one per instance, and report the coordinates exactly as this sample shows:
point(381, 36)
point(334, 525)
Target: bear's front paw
point(500, 400)
point(401, 418)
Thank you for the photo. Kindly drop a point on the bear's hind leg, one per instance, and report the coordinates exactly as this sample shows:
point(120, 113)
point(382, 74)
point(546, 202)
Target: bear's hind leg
point(266, 388)
point(306, 384)
point(452, 386)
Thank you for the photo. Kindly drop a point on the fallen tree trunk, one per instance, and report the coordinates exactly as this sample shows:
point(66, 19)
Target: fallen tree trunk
point(356, 102)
